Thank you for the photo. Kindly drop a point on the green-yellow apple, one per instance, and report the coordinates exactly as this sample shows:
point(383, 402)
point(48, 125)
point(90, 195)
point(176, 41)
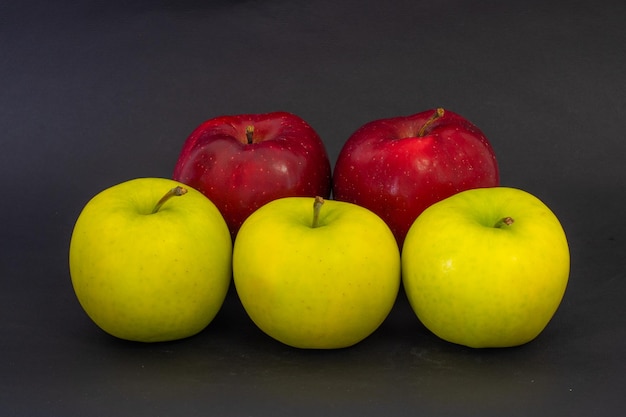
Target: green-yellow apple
point(150, 260)
point(486, 267)
point(315, 274)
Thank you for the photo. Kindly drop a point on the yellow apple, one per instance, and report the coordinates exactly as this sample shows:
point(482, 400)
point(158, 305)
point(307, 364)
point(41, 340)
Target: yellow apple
point(150, 260)
point(316, 275)
point(486, 267)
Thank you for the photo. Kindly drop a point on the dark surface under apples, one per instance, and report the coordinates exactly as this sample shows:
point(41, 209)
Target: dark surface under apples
point(94, 93)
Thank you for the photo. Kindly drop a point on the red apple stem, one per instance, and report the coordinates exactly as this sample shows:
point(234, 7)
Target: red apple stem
point(505, 221)
point(250, 134)
point(438, 113)
point(174, 192)
point(317, 206)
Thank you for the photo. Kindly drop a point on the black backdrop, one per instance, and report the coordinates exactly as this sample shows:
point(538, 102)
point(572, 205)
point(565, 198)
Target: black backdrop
point(93, 93)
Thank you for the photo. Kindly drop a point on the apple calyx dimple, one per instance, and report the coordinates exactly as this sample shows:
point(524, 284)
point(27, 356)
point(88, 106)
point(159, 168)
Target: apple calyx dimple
point(250, 134)
point(505, 221)
point(174, 192)
point(317, 206)
point(438, 113)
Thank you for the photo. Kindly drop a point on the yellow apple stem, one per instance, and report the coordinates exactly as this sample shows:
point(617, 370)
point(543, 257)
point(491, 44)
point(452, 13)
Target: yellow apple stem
point(438, 113)
point(505, 221)
point(317, 206)
point(174, 192)
point(249, 134)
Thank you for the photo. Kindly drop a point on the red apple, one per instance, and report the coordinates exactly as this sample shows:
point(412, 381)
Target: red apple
point(241, 162)
point(397, 167)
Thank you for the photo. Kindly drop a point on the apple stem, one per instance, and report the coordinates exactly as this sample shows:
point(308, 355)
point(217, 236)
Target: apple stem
point(438, 113)
point(249, 134)
point(174, 192)
point(317, 206)
point(505, 221)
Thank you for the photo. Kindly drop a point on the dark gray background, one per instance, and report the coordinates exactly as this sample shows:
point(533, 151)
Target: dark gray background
point(93, 93)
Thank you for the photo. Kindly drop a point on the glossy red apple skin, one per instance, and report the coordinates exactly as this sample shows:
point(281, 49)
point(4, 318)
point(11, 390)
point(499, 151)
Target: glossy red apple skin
point(285, 158)
point(397, 167)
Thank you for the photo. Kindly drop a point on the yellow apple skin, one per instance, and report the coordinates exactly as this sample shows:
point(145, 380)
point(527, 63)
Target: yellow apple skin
point(150, 277)
point(316, 288)
point(477, 285)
